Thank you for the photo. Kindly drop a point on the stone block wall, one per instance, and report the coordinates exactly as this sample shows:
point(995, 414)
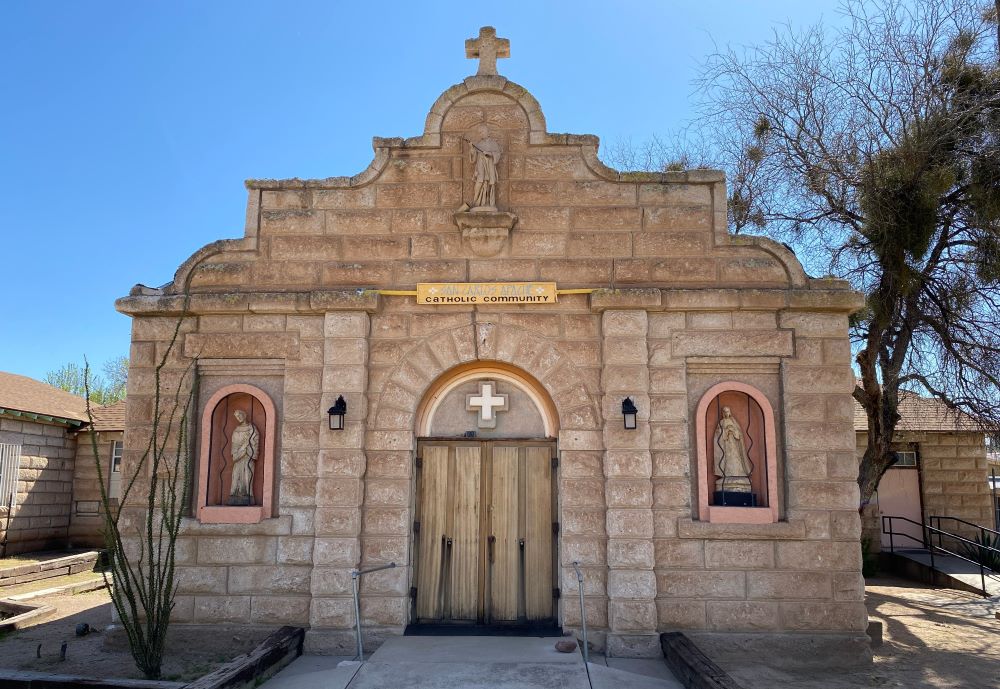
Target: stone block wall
point(45, 485)
point(86, 517)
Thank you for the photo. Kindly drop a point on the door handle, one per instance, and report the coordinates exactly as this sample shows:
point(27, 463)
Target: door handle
point(520, 543)
point(492, 542)
point(446, 541)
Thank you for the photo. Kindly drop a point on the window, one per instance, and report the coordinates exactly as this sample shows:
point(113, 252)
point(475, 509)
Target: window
point(116, 456)
point(907, 458)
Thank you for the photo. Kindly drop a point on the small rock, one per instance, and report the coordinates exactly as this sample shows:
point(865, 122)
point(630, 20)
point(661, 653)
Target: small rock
point(566, 645)
point(82, 629)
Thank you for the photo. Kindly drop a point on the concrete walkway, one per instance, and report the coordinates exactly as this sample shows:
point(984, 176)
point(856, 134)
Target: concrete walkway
point(425, 662)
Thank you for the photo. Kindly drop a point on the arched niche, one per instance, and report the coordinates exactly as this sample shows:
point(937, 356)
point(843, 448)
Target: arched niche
point(248, 412)
point(528, 411)
point(736, 420)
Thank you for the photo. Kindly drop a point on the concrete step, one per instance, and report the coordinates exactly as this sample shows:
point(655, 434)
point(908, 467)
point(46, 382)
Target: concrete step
point(631, 673)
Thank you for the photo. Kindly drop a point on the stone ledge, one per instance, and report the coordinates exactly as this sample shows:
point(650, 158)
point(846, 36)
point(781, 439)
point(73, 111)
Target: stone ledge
point(604, 299)
point(317, 301)
point(19, 679)
point(274, 526)
point(824, 651)
point(792, 530)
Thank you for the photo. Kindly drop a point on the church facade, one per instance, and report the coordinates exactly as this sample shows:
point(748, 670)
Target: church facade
point(494, 361)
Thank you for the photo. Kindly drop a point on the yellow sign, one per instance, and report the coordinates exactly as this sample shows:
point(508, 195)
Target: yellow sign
point(443, 293)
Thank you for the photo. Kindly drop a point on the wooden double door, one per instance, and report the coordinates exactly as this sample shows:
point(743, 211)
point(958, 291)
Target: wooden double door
point(485, 532)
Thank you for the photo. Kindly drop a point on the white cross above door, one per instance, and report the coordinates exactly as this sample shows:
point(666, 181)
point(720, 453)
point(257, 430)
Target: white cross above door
point(487, 402)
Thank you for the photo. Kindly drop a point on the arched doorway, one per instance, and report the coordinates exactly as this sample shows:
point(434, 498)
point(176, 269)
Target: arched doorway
point(486, 529)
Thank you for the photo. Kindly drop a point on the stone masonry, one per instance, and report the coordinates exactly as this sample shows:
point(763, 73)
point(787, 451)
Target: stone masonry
point(45, 485)
point(673, 304)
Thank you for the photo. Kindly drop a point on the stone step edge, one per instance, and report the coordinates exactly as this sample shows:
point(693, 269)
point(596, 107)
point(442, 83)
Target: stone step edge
point(22, 679)
point(9, 575)
point(691, 667)
point(78, 587)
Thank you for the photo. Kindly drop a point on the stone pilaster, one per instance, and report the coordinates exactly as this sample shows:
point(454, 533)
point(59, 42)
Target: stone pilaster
point(339, 487)
point(629, 487)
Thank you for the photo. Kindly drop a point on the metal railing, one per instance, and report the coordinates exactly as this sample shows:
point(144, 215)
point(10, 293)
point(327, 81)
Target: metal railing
point(355, 579)
point(583, 612)
point(926, 541)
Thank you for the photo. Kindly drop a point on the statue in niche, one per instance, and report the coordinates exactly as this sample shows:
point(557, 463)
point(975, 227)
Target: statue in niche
point(731, 460)
point(485, 154)
point(245, 441)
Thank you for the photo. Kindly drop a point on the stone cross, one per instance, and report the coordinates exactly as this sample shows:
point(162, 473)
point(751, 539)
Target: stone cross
point(487, 48)
point(487, 403)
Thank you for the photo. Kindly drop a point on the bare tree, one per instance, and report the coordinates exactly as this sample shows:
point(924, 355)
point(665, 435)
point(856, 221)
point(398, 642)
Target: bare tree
point(875, 149)
point(102, 390)
point(140, 533)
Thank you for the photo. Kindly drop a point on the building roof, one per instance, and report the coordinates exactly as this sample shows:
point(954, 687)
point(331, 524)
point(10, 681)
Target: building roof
point(23, 396)
point(110, 417)
point(922, 414)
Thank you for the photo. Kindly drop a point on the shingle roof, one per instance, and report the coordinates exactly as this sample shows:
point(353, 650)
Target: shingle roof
point(23, 394)
point(921, 414)
point(110, 417)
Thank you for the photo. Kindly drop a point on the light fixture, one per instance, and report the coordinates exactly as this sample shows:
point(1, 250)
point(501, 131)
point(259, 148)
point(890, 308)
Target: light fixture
point(337, 413)
point(628, 412)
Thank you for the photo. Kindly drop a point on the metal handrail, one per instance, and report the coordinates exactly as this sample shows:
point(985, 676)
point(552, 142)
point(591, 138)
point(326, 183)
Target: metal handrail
point(928, 543)
point(355, 577)
point(583, 612)
point(936, 517)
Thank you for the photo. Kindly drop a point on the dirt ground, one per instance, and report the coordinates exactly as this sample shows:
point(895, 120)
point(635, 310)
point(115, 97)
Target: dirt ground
point(932, 639)
point(87, 657)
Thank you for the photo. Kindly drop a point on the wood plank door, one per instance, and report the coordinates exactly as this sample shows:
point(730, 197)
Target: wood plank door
point(485, 544)
point(449, 537)
point(521, 557)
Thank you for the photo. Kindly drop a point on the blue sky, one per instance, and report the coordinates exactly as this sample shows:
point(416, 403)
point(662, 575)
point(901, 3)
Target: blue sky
point(127, 128)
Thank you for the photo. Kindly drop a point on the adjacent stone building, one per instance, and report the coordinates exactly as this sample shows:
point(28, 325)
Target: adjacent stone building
point(49, 494)
point(941, 471)
point(535, 361)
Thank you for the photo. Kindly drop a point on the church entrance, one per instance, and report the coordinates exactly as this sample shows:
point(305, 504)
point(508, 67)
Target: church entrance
point(485, 533)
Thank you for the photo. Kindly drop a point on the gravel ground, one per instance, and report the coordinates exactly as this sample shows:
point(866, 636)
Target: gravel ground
point(932, 639)
point(87, 657)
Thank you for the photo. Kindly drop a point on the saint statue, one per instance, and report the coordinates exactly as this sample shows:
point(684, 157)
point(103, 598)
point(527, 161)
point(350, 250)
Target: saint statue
point(244, 442)
point(485, 155)
point(731, 460)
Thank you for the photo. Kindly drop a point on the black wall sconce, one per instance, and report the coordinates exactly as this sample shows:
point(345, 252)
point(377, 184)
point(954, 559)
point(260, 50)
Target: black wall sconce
point(337, 413)
point(628, 412)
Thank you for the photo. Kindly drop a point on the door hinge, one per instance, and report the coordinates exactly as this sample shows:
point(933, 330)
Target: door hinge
point(555, 462)
point(416, 527)
point(419, 462)
point(555, 527)
point(413, 593)
point(556, 593)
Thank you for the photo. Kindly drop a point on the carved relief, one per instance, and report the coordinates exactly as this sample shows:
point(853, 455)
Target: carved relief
point(245, 442)
point(732, 464)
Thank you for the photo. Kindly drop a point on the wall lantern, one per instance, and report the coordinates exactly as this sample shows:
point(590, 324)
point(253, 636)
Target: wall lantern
point(629, 411)
point(337, 413)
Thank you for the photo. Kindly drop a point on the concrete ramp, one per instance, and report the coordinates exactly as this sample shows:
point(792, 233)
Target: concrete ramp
point(949, 572)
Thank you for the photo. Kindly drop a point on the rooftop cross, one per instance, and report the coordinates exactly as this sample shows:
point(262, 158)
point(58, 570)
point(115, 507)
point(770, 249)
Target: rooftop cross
point(487, 48)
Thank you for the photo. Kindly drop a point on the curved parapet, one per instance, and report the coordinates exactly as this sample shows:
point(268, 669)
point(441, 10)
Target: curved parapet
point(403, 219)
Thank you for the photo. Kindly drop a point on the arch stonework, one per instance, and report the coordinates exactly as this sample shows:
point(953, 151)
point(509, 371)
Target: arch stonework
point(439, 352)
point(391, 434)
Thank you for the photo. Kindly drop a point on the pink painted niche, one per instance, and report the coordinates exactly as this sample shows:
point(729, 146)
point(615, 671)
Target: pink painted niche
point(753, 413)
point(215, 466)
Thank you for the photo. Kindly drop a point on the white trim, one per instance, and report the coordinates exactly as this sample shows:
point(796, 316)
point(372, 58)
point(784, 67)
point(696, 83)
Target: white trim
point(486, 373)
